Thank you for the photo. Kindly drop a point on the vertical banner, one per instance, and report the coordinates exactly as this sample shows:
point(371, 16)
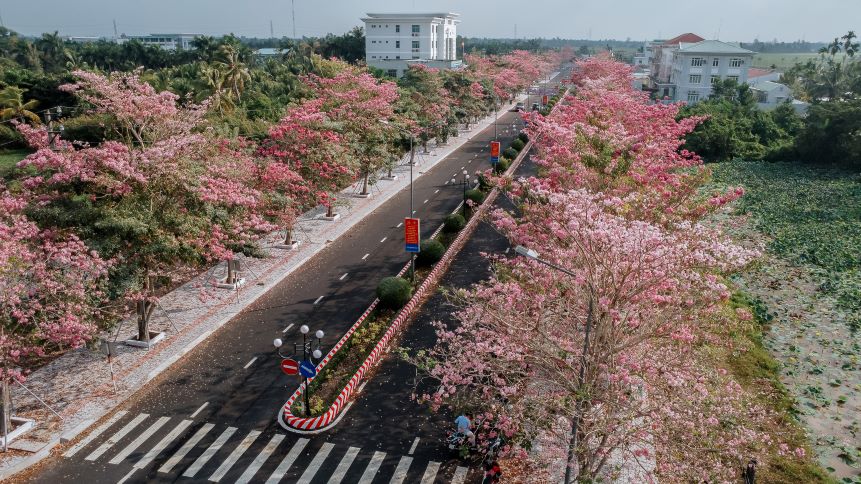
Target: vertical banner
point(494, 152)
point(544, 100)
point(411, 234)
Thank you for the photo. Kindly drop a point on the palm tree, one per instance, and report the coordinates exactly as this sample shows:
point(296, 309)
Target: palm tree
point(851, 48)
point(236, 73)
point(54, 52)
point(12, 105)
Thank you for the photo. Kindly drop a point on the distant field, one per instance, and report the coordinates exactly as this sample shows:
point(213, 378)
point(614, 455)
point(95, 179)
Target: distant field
point(783, 61)
point(8, 159)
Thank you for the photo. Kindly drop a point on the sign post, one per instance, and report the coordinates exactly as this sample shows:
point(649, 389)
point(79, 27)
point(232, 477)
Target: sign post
point(290, 367)
point(544, 100)
point(494, 152)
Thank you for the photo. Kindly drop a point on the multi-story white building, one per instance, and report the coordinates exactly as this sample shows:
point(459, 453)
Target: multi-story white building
point(164, 41)
point(393, 41)
point(697, 66)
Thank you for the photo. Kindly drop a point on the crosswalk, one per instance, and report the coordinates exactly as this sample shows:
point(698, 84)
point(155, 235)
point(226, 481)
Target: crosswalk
point(165, 448)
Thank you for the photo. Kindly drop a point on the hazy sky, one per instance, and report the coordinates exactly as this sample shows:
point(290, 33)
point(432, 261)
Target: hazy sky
point(734, 19)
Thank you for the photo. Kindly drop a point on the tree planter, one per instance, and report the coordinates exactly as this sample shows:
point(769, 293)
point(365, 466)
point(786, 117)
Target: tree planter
point(154, 338)
point(363, 195)
point(291, 246)
point(20, 426)
point(331, 218)
point(223, 284)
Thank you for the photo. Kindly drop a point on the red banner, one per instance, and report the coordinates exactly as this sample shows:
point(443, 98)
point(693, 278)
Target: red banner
point(411, 234)
point(544, 99)
point(494, 149)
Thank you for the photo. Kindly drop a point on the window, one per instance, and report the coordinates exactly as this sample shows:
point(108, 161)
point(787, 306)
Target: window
point(715, 62)
point(715, 79)
point(733, 78)
point(397, 44)
point(397, 57)
point(736, 62)
point(695, 79)
point(397, 28)
point(373, 41)
point(697, 62)
point(416, 29)
point(392, 73)
point(693, 96)
point(415, 45)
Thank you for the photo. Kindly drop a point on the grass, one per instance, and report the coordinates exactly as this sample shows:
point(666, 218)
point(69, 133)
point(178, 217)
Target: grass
point(812, 216)
point(8, 160)
point(784, 61)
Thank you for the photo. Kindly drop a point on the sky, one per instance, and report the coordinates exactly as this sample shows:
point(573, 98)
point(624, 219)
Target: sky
point(729, 20)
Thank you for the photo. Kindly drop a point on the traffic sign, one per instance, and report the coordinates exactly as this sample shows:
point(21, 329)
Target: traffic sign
point(411, 234)
point(494, 151)
point(307, 369)
point(290, 367)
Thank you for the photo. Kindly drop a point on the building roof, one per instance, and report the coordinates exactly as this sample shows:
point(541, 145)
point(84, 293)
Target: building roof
point(688, 37)
point(382, 16)
point(712, 47)
point(269, 51)
point(767, 86)
point(757, 72)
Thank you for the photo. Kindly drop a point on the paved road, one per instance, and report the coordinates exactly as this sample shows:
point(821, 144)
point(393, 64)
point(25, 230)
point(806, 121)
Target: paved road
point(212, 416)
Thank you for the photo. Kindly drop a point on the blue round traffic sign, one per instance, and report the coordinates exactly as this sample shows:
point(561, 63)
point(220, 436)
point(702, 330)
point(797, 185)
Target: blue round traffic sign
point(307, 369)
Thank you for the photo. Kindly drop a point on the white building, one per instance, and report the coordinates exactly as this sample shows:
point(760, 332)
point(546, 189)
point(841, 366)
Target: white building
point(164, 41)
point(699, 65)
point(393, 41)
point(756, 76)
point(770, 94)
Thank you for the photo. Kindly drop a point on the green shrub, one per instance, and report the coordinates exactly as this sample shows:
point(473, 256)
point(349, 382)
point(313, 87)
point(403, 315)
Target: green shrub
point(89, 128)
point(503, 165)
point(517, 144)
point(523, 137)
point(475, 195)
point(510, 153)
point(454, 223)
point(483, 183)
point(432, 251)
point(10, 137)
point(394, 292)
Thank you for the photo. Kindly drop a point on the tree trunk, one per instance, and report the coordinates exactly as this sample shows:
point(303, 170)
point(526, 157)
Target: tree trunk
point(144, 311)
point(365, 182)
point(5, 413)
point(231, 276)
point(288, 235)
point(330, 212)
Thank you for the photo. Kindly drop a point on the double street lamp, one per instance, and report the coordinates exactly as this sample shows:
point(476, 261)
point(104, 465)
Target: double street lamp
point(310, 349)
point(412, 163)
point(465, 184)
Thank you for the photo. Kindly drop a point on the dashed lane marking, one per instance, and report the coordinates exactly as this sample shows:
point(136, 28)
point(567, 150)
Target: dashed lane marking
point(413, 447)
point(399, 225)
point(436, 191)
point(365, 256)
point(199, 409)
point(127, 476)
point(287, 328)
point(342, 277)
point(116, 437)
point(426, 201)
point(186, 448)
point(317, 301)
point(383, 239)
point(95, 434)
point(249, 363)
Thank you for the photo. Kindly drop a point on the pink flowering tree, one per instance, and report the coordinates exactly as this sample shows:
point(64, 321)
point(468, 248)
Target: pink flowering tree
point(171, 196)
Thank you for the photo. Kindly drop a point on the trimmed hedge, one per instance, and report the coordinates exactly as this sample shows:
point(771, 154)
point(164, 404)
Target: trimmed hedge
point(517, 144)
point(503, 165)
point(510, 153)
point(432, 251)
point(523, 137)
point(394, 292)
point(454, 223)
point(475, 195)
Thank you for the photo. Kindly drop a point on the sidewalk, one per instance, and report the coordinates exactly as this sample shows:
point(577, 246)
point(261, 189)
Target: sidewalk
point(78, 385)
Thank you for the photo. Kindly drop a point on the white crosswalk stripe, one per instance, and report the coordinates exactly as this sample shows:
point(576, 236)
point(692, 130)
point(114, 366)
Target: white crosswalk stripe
point(373, 467)
point(209, 452)
point(234, 456)
point(287, 462)
point(117, 437)
point(401, 470)
point(95, 434)
point(315, 464)
point(163, 443)
point(459, 475)
point(430, 473)
point(140, 440)
point(185, 449)
point(260, 459)
point(344, 465)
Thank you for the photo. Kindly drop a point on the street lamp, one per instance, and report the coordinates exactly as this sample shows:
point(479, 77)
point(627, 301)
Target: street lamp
point(412, 163)
point(581, 375)
point(308, 348)
point(54, 133)
point(465, 184)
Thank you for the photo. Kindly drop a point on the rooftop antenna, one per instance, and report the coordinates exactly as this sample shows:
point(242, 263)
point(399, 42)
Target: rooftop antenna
point(515, 31)
point(720, 24)
point(1, 20)
point(293, 9)
point(271, 30)
point(115, 29)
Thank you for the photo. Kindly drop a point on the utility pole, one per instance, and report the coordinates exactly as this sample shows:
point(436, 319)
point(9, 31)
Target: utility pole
point(116, 36)
point(515, 31)
point(271, 30)
point(293, 10)
point(1, 19)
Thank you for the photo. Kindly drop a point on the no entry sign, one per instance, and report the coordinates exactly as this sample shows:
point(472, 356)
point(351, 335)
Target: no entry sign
point(494, 151)
point(411, 234)
point(290, 367)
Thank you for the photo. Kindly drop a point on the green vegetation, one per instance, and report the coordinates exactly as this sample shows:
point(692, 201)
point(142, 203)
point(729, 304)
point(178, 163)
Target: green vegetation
point(454, 223)
point(394, 292)
point(811, 214)
point(517, 144)
point(432, 251)
point(8, 160)
point(476, 195)
point(783, 61)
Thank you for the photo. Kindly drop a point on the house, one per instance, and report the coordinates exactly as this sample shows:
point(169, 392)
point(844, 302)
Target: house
point(268, 53)
point(756, 75)
point(770, 94)
point(394, 41)
point(660, 58)
point(696, 66)
point(164, 41)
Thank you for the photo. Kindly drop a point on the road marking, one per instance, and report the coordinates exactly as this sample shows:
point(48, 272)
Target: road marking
point(159, 447)
point(413, 447)
point(186, 447)
point(362, 386)
point(234, 456)
point(399, 225)
point(383, 239)
point(117, 437)
point(470, 161)
point(446, 182)
point(430, 473)
point(317, 301)
point(127, 476)
point(249, 363)
point(315, 464)
point(372, 468)
point(94, 434)
point(425, 201)
point(342, 277)
point(459, 475)
point(260, 459)
point(436, 191)
point(462, 167)
point(365, 256)
point(199, 409)
point(287, 328)
point(288, 461)
point(344, 465)
point(139, 440)
point(209, 452)
point(401, 470)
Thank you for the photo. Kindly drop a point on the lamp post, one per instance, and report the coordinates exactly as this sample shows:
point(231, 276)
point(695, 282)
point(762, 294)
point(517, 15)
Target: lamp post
point(465, 184)
point(581, 374)
point(308, 348)
point(412, 163)
point(54, 134)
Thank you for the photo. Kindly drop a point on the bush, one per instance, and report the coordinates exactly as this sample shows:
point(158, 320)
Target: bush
point(517, 144)
point(503, 165)
point(454, 223)
point(394, 292)
point(10, 137)
point(432, 251)
point(89, 128)
point(477, 196)
point(510, 153)
point(523, 137)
